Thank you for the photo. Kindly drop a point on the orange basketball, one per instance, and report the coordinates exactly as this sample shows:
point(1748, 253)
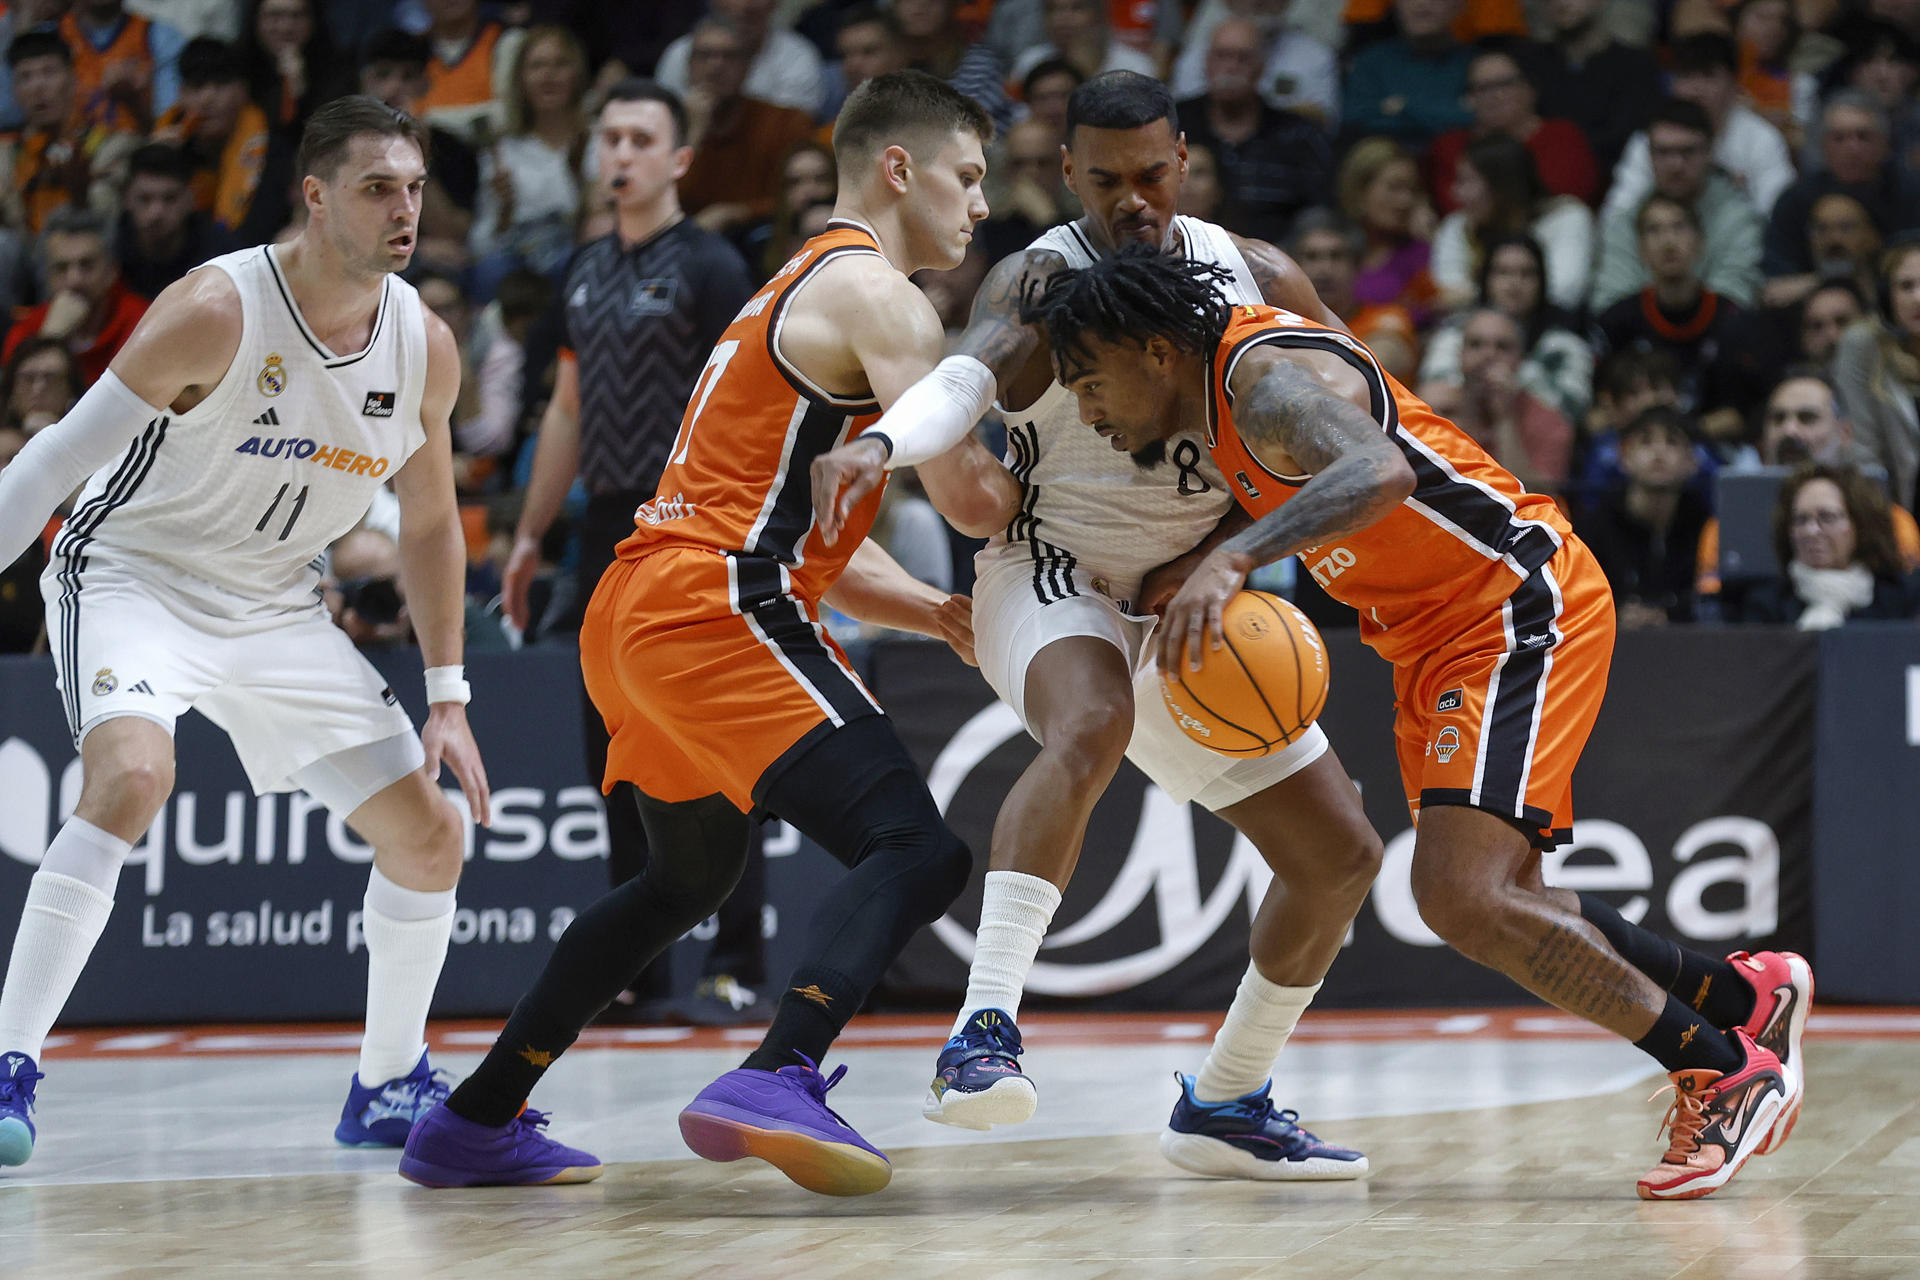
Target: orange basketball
point(1261, 690)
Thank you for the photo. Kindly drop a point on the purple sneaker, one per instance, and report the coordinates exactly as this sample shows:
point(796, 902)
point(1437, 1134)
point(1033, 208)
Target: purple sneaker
point(783, 1118)
point(446, 1150)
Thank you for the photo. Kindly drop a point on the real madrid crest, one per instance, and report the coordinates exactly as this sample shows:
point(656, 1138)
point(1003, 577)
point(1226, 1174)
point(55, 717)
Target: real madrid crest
point(104, 683)
point(273, 376)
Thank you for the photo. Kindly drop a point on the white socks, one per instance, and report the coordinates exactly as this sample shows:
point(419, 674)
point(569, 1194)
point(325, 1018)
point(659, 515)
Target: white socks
point(407, 932)
point(1258, 1023)
point(68, 901)
point(1014, 916)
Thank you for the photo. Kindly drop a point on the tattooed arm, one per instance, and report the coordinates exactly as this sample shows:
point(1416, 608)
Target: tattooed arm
point(1298, 411)
point(1283, 284)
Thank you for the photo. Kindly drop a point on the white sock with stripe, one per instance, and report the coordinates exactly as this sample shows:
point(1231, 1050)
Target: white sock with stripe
point(68, 902)
point(1259, 1021)
point(1014, 915)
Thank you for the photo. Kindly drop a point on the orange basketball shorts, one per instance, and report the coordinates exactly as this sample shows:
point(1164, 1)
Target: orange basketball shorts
point(710, 677)
point(1497, 718)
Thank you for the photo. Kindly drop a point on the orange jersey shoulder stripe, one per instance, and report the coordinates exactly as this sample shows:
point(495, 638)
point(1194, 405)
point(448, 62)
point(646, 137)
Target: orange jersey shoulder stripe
point(737, 478)
point(1454, 550)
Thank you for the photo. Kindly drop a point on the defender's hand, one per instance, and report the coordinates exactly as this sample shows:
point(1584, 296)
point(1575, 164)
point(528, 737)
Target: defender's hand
point(954, 617)
point(1193, 622)
point(448, 738)
point(516, 581)
point(841, 478)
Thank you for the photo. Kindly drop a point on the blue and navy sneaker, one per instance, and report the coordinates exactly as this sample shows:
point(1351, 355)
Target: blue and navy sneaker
point(977, 1083)
point(383, 1115)
point(1247, 1138)
point(18, 1075)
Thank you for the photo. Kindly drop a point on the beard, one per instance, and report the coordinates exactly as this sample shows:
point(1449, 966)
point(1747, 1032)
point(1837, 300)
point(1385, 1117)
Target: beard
point(1151, 456)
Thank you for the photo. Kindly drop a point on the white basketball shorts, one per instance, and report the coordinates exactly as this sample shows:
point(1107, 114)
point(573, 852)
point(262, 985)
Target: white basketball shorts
point(289, 691)
point(1011, 625)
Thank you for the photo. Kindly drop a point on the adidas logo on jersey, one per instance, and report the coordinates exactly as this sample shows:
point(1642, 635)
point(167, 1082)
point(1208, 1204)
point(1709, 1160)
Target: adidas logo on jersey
point(301, 449)
point(268, 419)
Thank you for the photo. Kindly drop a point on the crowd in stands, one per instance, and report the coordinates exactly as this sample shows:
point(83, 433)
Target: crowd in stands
point(1655, 255)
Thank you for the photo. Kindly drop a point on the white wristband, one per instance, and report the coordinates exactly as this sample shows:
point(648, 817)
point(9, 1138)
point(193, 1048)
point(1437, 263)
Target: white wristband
point(448, 684)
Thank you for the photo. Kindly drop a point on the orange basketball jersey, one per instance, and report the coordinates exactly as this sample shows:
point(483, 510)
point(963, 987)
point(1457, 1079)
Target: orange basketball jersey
point(1449, 555)
point(737, 479)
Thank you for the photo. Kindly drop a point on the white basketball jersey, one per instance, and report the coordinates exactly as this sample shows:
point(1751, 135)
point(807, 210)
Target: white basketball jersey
point(232, 503)
point(1091, 507)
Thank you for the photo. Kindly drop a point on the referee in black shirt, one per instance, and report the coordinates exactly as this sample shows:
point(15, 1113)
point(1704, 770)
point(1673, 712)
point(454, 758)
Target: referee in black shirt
point(638, 314)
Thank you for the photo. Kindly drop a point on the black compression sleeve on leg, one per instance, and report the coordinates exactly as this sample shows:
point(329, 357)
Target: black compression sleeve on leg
point(1707, 984)
point(858, 795)
point(697, 848)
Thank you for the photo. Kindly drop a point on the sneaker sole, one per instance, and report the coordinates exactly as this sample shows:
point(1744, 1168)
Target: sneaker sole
point(441, 1177)
point(825, 1168)
point(1707, 1184)
point(1009, 1101)
point(1212, 1158)
point(16, 1142)
point(1796, 1028)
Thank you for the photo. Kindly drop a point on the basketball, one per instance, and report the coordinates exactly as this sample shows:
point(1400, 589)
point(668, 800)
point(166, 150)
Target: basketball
point(1261, 690)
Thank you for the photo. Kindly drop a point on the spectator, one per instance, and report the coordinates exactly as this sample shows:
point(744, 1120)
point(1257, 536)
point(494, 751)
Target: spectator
point(393, 68)
point(1645, 531)
point(1883, 62)
point(89, 309)
point(471, 66)
point(1328, 248)
point(22, 615)
point(1877, 367)
point(1273, 163)
point(1625, 385)
point(938, 44)
point(1380, 191)
point(1078, 31)
point(1586, 75)
point(1855, 160)
point(870, 43)
point(808, 176)
point(40, 383)
point(1844, 242)
point(1825, 315)
point(242, 170)
point(1721, 352)
point(122, 60)
point(367, 596)
point(1834, 538)
point(1557, 368)
point(738, 140)
point(530, 175)
point(63, 155)
point(1031, 194)
point(1501, 194)
point(497, 351)
point(1047, 88)
point(1767, 33)
point(161, 236)
point(291, 63)
point(1749, 150)
point(1410, 87)
point(1504, 102)
point(1301, 74)
point(1680, 148)
point(1203, 194)
point(1526, 435)
point(16, 19)
point(777, 66)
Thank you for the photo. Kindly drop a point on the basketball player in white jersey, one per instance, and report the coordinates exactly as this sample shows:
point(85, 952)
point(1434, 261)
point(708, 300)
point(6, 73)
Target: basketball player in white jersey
point(244, 426)
point(1063, 606)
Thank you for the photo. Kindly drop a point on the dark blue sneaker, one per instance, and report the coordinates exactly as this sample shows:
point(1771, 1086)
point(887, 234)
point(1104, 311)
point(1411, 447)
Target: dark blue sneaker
point(383, 1115)
point(18, 1075)
point(977, 1082)
point(446, 1150)
point(1247, 1138)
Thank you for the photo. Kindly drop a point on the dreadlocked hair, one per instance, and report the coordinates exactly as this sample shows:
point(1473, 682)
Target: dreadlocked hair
point(1128, 297)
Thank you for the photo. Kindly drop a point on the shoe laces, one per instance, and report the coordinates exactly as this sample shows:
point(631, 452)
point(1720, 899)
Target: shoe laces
point(530, 1120)
point(815, 1084)
point(12, 1094)
point(1683, 1123)
point(1001, 1037)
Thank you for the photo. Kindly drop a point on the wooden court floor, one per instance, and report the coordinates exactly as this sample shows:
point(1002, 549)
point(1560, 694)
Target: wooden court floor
point(1541, 1189)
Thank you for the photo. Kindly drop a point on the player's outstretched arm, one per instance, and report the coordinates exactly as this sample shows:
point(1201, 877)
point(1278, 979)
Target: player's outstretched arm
point(1297, 411)
point(185, 341)
point(1283, 284)
point(876, 589)
point(433, 563)
point(936, 414)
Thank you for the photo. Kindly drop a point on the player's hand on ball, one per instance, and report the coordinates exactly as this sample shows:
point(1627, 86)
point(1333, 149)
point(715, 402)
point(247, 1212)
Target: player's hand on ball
point(841, 478)
point(447, 738)
point(954, 615)
point(1192, 622)
point(1160, 585)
